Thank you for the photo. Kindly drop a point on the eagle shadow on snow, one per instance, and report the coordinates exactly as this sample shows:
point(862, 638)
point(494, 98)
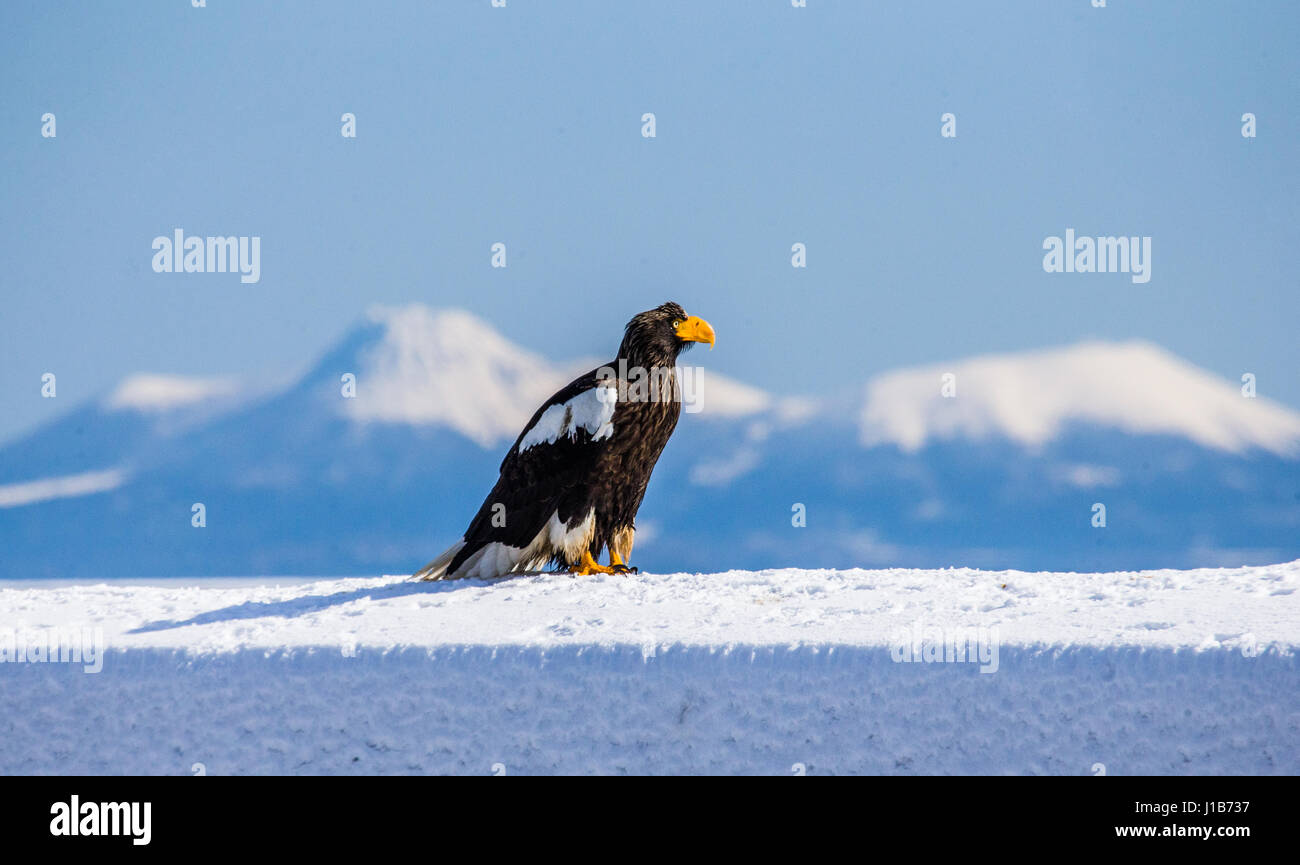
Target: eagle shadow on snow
point(292, 608)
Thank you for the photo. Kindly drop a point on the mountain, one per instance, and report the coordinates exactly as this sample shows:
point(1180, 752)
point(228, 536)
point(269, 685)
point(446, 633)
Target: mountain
point(376, 457)
point(1032, 397)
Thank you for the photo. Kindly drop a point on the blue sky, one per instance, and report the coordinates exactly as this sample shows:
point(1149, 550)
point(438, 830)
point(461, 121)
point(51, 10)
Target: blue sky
point(522, 125)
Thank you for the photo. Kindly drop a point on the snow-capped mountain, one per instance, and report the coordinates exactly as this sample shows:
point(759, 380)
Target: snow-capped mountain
point(375, 458)
point(448, 369)
point(1032, 397)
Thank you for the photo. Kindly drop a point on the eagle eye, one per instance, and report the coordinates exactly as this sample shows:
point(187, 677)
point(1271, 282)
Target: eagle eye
point(676, 323)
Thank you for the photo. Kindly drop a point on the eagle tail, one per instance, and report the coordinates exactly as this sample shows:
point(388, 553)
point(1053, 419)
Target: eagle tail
point(437, 569)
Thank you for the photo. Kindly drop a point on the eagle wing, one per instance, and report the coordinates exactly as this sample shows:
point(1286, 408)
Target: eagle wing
point(554, 457)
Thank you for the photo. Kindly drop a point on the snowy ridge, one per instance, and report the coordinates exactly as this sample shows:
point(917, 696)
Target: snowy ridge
point(1029, 397)
point(156, 392)
point(449, 368)
point(380, 482)
point(1209, 608)
point(732, 672)
point(66, 486)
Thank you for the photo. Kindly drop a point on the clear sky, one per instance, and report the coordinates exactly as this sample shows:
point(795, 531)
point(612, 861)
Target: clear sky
point(775, 125)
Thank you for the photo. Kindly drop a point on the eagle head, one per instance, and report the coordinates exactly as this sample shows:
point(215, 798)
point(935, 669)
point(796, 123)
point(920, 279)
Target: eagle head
point(655, 337)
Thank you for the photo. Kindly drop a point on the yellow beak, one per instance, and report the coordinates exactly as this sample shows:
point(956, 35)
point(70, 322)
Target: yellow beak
point(695, 329)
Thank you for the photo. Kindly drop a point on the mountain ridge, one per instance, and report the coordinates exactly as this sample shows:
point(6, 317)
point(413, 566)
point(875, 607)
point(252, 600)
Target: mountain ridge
point(301, 479)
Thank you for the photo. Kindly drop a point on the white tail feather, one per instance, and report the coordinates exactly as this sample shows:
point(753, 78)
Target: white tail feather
point(437, 569)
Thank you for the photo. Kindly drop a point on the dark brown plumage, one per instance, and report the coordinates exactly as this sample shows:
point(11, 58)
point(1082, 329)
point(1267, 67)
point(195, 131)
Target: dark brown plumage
point(574, 479)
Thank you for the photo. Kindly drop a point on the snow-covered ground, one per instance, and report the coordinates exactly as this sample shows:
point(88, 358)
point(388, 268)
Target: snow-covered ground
point(771, 672)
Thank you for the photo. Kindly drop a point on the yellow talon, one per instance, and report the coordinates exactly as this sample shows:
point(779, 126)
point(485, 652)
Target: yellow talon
point(587, 566)
point(616, 565)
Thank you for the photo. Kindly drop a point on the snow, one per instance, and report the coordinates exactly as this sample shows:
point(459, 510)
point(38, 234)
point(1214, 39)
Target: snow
point(1180, 672)
point(62, 487)
point(450, 368)
point(1029, 397)
point(154, 392)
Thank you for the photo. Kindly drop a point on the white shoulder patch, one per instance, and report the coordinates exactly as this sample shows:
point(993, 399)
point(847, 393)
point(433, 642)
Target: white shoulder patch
point(592, 410)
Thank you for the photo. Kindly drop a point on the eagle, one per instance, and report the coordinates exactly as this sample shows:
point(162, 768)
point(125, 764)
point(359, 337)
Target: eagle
point(572, 482)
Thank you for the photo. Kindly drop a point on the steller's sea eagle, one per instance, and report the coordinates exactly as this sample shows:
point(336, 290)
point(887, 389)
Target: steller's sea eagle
point(573, 481)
